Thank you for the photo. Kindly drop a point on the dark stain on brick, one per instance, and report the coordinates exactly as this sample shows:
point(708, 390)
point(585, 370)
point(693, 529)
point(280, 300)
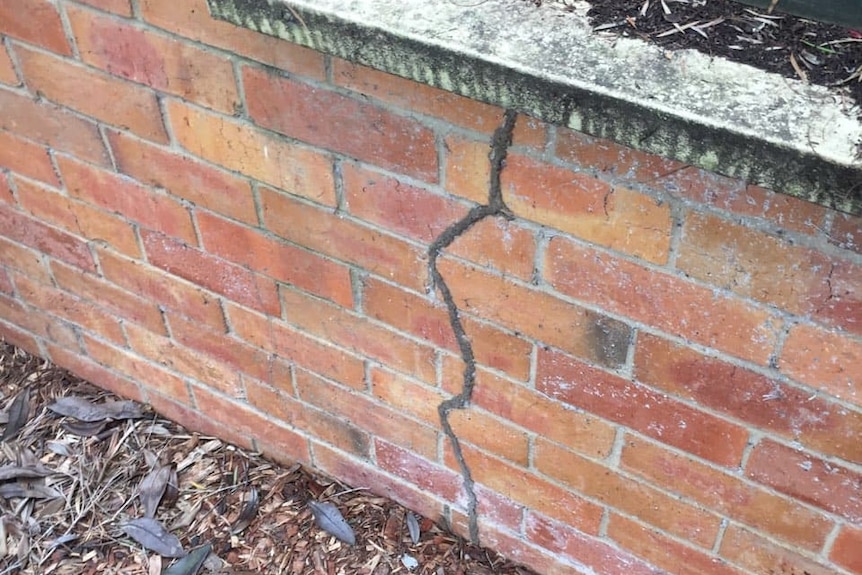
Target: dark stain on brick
point(610, 340)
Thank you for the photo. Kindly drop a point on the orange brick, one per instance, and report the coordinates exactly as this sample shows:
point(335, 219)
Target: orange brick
point(321, 425)
point(846, 232)
point(121, 7)
point(109, 191)
point(182, 176)
point(771, 270)
point(161, 62)
point(414, 212)
point(238, 146)
point(722, 322)
point(341, 238)
point(527, 488)
point(807, 478)
point(430, 321)
point(200, 268)
point(191, 19)
point(367, 414)
point(570, 201)
point(24, 260)
point(492, 509)
point(86, 369)
point(78, 218)
point(322, 118)
point(428, 476)
point(38, 236)
point(6, 195)
point(282, 262)
point(65, 305)
point(19, 338)
point(107, 99)
point(658, 415)
point(759, 555)
point(468, 168)
point(766, 403)
point(416, 97)
point(498, 243)
point(52, 126)
point(825, 360)
point(202, 423)
point(154, 284)
point(5, 283)
point(359, 335)
point(36, 323)
point(7, 70)
point(786, 212)
point(664, 552)
point(297, 347)
point(36, 22)
point(524, 407)
point(638, 499)
point(536, 314)
point(26, 158)
point(845, 550)
point(726, 493)
point(101, 293)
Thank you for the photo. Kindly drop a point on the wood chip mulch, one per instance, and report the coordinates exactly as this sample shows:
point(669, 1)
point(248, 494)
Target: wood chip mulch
point(88, 494)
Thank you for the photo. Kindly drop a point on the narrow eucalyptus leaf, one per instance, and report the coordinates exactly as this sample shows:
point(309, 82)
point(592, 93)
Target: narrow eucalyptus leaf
point(19, 413)
point(329, 518)
point(191, 563)
point(152, 488)
point(153, 537)
point(413, 527)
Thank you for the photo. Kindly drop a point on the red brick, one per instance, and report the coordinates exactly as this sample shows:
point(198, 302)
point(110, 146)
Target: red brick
point(241, 147)
point(596, 554)
point(341, 238)
point(428, 476)
point(94, 373)
point(363, 412)
point(664, 552)
point(234, 282)
point(6, 194)
point(807, 478)
point(633, 497)
point(5, 282)
point(26, 158)
point(536, 314)
point(524, 407)
point(722, 322)
point(78, 218)
point(36, 22)
point(153, 284)
point(656, 415)
point(182, 176)
point(7, 70)
point(202, 423)
point(530, 490)
point(322, 118)
point(282, 262)
point(761, 556)
point(191, 19)
point(414, 212)
point(787, 212)
point(19, 338)
point(726, 493)
point(102, 293)
point(825, 360)
point(498, 243)
point(53, 126)
point(92, 93)
point(846, 232)
point(297, 347)
point(36, 323)
point(473, 425)
point(109, 191)
point(25, 260)
point(845, 550)
point(359, 335)
point(35, 234)
point(121, 7)
point(492, 509)
point(771, 270)
point(514, 547)
point(573, 202)
point(416, 97)
point(158, 61)
point(430, 321)
point(766, 403)
point(468, 168)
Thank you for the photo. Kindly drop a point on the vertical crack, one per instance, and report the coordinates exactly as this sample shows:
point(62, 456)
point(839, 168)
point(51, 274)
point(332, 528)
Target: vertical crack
point(495, 207)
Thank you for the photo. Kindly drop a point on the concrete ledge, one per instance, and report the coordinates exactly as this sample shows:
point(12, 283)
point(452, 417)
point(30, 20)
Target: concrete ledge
point(797, 139)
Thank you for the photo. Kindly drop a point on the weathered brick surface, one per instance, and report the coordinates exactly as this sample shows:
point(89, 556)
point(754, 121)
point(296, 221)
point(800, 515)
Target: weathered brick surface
point(236, 230)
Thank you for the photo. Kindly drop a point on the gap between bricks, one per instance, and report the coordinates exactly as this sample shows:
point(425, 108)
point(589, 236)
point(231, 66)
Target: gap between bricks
point(496, 207)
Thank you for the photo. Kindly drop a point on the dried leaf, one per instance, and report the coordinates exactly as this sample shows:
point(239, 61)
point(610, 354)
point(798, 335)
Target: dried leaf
point(84, 428)
point(8, 472)
point(191, 563)
point(19, 412)
point(329, 518)
point(152, 488)
point(172, 491)
point(153, 537)
point(413, 527)
point(248, 513)
point(83, 410)
point(9, 490)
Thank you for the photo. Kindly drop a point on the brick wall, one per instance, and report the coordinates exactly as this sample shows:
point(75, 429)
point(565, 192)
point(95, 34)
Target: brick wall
point(665, 363)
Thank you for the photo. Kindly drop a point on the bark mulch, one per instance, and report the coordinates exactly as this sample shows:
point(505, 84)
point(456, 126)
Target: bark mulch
point(111, 488)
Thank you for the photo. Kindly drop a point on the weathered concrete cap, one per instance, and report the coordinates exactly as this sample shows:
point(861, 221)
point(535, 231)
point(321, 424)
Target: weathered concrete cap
point(798, 139)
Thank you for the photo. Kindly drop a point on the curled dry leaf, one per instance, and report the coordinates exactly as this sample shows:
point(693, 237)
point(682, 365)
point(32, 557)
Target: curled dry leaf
point(33, 491)
point(152, 488)
point(249, 511)
point(191, 563)
point(329, 518)
point(84, 428)
point(19, 412)
point(153, 537)
point(413, 527)
point(83, 410)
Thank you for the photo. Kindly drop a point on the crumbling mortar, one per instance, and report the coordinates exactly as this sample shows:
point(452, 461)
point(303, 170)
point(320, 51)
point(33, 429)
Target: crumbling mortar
point(496, 207)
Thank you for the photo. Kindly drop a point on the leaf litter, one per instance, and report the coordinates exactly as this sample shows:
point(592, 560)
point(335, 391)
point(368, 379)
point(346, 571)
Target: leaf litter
point(110, 488)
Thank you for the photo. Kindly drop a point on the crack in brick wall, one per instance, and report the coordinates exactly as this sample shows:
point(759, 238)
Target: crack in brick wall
point(496, 207)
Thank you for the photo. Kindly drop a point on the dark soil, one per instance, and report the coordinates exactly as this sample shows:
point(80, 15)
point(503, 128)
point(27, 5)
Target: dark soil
point(822, 54)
